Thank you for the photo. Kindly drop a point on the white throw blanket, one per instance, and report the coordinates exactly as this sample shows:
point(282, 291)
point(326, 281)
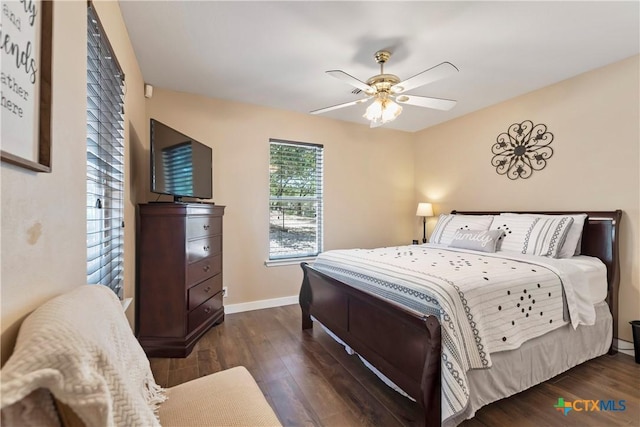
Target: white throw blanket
point(80, 347)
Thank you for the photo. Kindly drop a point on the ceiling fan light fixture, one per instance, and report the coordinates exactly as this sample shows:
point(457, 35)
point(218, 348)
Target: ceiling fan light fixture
point(382, 110)
point(387, 91)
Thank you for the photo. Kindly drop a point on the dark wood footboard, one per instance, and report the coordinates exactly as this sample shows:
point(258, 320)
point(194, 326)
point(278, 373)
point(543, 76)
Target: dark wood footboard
point(405, 346)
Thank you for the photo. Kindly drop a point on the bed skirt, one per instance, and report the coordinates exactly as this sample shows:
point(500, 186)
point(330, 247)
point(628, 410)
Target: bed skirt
point(536, 361)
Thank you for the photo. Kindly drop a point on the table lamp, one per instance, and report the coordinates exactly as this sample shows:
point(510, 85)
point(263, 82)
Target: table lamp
point(424, 210)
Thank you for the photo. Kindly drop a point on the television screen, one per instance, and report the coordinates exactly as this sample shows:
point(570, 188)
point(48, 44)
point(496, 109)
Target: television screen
point(180, 166)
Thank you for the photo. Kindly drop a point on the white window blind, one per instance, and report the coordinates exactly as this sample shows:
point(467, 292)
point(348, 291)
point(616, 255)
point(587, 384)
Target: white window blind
point(295, 202)
point(105, 160)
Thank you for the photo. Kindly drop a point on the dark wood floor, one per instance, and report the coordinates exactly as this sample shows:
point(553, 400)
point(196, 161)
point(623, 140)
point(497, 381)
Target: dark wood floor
point(310, 380)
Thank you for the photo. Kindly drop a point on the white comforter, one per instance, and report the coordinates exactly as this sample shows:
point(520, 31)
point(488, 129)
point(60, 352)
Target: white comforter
point(485, 302)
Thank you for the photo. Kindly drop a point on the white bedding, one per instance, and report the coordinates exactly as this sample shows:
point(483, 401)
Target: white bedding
point(485, 302)
point(595, 275)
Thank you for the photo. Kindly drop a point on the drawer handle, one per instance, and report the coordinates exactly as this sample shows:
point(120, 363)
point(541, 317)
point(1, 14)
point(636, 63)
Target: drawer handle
point(206, 226)
point(206, 268)
point(206, 248)
point(207, 289)
point(207, 310)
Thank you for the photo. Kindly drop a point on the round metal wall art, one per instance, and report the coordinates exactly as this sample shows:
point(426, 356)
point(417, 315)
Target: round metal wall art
point(524, 148)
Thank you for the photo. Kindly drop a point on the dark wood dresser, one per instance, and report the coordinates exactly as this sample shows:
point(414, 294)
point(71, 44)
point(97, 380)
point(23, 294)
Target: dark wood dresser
point(179, 275)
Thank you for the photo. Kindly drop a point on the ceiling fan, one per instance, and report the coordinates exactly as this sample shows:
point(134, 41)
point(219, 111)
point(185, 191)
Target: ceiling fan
point(384, 89)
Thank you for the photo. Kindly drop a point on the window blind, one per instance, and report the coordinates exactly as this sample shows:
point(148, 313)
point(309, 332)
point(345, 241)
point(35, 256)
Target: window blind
point(295, 202)
point(105, 160)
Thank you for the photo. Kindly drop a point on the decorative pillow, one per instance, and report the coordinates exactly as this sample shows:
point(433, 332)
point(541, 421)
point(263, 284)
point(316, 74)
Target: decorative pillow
point(573, 241)
point(533, 235)
point(447, 226)
point(477, 240)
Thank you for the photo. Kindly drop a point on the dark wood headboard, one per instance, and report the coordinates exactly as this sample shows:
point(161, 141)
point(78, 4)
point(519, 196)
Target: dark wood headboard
point(599, 239)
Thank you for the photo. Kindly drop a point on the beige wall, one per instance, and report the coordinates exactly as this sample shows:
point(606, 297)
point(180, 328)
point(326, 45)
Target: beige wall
point(368, 183)
point(595, 166)
point(43, 214)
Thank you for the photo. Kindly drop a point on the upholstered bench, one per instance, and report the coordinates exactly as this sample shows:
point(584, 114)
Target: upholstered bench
point(226, 398)
point(77, 363)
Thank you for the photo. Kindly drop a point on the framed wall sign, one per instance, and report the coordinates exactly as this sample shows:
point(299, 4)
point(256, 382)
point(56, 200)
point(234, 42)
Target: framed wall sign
point(25, 38)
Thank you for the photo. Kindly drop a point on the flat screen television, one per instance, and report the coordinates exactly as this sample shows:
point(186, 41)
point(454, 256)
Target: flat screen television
point(180, 166)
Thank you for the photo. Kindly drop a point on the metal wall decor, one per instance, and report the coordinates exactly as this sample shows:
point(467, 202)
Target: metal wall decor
point(524, 148)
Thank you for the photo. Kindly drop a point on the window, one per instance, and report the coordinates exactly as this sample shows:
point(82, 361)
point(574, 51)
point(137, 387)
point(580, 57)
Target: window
point(295, 202)
point(105, 160)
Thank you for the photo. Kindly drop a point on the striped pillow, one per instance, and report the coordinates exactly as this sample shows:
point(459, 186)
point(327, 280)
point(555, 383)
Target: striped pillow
point(572, 242)
point(447, 226)
point(532, 235)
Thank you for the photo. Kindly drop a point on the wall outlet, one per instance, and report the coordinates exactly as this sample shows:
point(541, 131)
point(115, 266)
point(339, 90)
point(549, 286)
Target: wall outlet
point(225, 293)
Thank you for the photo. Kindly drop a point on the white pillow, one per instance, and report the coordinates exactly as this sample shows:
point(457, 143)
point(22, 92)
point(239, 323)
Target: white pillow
point(447, 226)
point(573, 239)
point(477, 240)
point(533, 235)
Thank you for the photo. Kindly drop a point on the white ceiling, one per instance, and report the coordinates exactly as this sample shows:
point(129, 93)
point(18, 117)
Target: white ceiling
point(275, 53)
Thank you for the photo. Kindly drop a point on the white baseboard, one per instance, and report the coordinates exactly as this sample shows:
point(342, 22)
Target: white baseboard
point(623, 346)
point(258, 305)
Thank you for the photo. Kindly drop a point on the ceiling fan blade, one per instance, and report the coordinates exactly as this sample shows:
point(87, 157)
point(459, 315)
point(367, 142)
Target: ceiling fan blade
point(424, 101)
point(347, 78)
point(335, 107)
point(431, 75)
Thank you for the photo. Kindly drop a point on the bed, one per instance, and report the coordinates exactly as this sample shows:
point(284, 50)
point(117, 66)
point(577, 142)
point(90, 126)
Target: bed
point(404, 343)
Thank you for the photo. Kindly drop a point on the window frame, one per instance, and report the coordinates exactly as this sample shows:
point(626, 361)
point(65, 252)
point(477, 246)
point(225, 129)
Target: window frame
point(317, 197)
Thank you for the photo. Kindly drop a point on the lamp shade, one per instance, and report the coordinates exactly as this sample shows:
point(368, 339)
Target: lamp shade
point(424, 209)
point(390, 111)
point(374, 111)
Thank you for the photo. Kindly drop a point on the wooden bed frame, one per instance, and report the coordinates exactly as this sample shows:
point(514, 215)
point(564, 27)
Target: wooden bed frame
point(405, 346)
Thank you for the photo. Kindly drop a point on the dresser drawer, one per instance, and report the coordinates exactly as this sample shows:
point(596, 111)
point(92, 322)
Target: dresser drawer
point(203, 269)
point(201, 226)
point(203, 248)
point(205, 290)
point(204, 311)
